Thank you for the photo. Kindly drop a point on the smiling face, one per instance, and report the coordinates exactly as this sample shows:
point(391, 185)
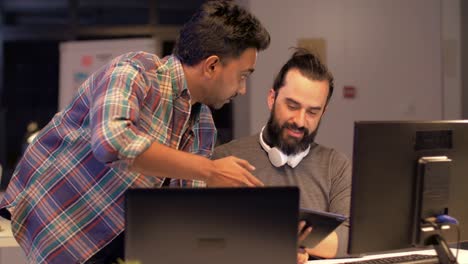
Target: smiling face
point(229, 78)
point(296, 111)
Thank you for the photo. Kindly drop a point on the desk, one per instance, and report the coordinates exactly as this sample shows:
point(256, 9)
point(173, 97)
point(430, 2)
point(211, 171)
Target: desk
point(10, 251)
point(462, 256)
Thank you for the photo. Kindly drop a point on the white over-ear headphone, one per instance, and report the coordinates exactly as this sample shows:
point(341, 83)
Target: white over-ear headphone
point(278, 158)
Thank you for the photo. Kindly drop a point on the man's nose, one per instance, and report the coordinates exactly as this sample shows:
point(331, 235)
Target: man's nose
point(299, 118)
point(242, 90)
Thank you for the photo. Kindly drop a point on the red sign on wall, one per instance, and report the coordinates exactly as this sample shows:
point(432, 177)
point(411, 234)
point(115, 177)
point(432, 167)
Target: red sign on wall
point(86, 61)
point(349, 92)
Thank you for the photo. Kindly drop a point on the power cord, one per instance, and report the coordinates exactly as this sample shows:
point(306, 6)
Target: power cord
point(437, 223)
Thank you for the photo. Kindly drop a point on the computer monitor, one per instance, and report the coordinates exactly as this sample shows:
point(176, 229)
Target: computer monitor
point(403, 172)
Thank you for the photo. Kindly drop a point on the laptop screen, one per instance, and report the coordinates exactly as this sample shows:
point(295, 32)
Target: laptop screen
point(212, 225)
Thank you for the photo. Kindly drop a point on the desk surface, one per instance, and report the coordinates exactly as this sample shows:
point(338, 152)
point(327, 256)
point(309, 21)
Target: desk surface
point(7, 240)
point(6, 237)
point(462, 256)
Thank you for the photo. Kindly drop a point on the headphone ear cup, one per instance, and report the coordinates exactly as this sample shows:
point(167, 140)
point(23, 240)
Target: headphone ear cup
point(277, 158)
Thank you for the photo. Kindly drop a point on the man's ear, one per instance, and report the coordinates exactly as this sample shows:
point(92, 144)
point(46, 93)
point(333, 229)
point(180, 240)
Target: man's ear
point(211, 65)
point(325, 108)
point(271, 98)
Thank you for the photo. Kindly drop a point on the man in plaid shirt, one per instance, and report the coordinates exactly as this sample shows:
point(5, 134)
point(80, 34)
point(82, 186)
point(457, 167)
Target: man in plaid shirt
point(134, 123)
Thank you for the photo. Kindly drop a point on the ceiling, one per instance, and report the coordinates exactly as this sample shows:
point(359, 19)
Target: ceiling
point(96, 12)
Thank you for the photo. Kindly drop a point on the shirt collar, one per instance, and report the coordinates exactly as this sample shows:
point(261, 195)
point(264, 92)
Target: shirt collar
point(179, 82)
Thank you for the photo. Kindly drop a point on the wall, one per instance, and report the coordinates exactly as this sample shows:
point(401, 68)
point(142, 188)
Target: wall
point(464, 55)
point(451, 59)
point(391, 51)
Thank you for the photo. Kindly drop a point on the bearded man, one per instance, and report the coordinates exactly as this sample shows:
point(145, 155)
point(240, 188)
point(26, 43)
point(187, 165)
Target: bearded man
point(285, 153)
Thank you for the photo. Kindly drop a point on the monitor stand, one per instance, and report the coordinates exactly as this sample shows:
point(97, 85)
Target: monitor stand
point(444, 254)
point(432, 200)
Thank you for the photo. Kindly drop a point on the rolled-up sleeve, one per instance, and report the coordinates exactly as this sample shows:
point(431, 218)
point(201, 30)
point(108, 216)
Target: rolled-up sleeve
point(116, 135)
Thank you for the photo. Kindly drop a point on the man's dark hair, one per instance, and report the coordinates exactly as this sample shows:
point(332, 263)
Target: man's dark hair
point(219, 28)
point(308, 65)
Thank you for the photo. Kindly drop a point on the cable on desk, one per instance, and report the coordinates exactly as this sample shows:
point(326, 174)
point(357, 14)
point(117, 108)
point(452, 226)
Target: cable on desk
point(439, 220)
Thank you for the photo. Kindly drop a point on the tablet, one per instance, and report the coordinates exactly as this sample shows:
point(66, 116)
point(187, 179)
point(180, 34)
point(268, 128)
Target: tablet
point(322, 223)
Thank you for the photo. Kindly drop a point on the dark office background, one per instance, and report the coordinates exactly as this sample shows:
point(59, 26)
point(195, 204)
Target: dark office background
point(30, 33)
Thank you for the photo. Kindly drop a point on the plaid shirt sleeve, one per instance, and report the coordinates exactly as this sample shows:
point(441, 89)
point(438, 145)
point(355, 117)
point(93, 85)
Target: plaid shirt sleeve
point(114, 115)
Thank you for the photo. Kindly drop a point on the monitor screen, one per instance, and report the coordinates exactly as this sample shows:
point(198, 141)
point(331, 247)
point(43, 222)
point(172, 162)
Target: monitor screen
point(403, 172)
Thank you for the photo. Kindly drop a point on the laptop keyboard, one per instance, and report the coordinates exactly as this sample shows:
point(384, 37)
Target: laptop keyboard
point(413, 258)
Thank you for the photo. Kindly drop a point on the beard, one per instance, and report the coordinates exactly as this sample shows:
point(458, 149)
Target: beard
point(289, 145)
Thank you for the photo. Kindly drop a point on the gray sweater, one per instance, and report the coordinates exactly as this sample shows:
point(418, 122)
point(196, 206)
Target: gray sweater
point(323, 177)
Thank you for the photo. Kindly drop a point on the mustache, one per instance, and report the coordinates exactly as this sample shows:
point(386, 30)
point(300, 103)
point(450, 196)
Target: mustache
point(294, 126)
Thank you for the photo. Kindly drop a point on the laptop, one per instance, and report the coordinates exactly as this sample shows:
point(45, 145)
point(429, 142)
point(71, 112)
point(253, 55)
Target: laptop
point(212, 225)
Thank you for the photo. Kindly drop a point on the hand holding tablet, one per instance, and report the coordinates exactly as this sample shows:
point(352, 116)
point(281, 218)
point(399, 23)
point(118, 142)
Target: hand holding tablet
point(322, 223)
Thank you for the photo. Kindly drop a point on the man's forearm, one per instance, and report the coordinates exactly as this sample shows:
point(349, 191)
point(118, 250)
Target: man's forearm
point(162, 161)
point(327, 248)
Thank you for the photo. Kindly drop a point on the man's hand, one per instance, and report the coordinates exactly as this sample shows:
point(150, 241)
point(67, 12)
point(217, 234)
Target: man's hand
point(232, 171)
point(302, 256)
point(301, 232)
point(327, 248)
